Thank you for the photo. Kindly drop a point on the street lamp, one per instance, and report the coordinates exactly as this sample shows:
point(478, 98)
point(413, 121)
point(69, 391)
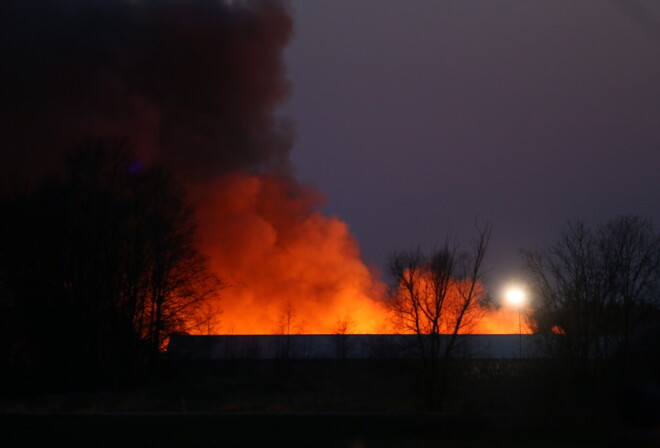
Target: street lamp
point(516, 297)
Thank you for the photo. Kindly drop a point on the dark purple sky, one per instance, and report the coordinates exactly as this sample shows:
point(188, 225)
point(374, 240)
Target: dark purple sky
point(418, 118)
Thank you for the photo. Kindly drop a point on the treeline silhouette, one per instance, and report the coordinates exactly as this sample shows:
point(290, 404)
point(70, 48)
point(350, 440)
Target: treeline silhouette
point(98, 265)
point(594, 293)
point(598, 289)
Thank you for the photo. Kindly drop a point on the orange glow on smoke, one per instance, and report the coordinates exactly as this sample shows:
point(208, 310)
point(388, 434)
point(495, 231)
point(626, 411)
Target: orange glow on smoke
point(501, 321)
point(287, 268)
point(476, 320)
point(420, 306)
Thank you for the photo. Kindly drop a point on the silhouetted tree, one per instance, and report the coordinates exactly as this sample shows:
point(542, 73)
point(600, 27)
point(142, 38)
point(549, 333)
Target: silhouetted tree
point(597, 287)
point(100, 264)
point(287, 326)
point(436, 297)
point(343, 328)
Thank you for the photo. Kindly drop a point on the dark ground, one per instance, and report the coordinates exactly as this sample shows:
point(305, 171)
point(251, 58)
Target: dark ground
point(313, 430)
point(320, 404)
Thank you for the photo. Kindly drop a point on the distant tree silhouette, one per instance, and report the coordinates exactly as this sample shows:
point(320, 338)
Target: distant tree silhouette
point(100, 265)
point(287, 326)
point(436, 297)
point(597, 287)
point(342, 329)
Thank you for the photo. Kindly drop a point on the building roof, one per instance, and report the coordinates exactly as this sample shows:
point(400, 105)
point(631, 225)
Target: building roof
point(352, 346)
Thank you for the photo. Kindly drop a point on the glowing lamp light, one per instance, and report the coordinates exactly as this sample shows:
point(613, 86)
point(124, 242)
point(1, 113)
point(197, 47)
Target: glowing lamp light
point(515, 296)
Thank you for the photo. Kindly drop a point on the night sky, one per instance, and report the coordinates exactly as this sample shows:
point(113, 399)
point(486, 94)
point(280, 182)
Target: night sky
point(419, 118)
point(415, 119)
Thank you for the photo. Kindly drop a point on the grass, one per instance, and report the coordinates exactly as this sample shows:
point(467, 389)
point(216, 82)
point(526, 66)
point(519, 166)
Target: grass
point(273, 429)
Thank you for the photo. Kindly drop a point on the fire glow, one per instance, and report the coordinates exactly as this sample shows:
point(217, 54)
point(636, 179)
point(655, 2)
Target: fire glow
point(212, 120)
point(289, 269)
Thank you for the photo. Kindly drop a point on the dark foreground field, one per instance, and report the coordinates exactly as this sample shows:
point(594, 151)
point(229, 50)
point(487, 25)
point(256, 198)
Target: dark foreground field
point(313, 430)
point(329, 404)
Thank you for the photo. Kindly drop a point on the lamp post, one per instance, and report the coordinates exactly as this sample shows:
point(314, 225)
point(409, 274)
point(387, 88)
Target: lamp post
point(516, 297)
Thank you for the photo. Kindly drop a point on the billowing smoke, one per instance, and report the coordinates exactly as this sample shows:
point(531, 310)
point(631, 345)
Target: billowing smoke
point(193, 84)
point(288, 268)
point(502, 321)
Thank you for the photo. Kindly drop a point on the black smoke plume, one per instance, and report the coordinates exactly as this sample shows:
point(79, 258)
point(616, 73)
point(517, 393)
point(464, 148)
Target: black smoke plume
point(193, 84)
